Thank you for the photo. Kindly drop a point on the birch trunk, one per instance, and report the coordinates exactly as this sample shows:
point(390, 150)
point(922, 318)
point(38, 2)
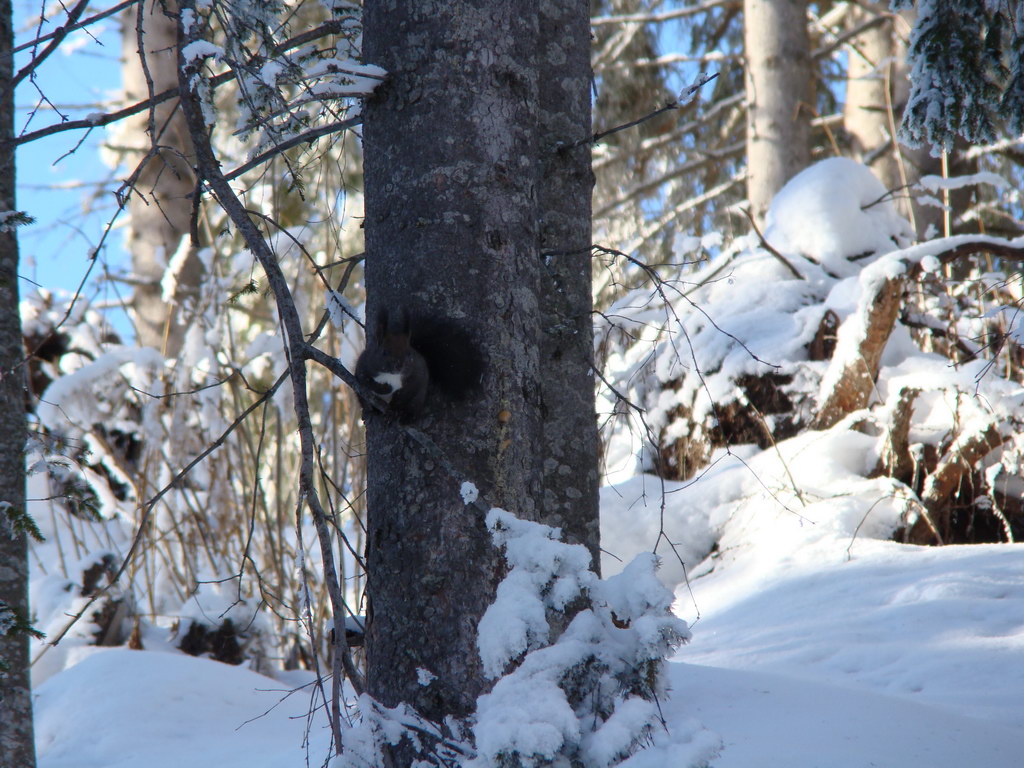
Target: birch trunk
point(877, 88)
point(160, 204)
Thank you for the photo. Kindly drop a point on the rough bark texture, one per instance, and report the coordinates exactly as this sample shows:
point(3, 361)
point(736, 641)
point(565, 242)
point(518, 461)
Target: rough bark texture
point(160, 205)
point(779, 97)
point(853, 387)
point(17, 747)
point(567, 341)
point(451, 174)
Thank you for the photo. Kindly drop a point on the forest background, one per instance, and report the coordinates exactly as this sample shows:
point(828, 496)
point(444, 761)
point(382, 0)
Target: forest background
point(875, 319)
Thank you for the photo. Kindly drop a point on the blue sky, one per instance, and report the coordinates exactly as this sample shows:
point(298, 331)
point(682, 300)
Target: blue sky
point(56, 190)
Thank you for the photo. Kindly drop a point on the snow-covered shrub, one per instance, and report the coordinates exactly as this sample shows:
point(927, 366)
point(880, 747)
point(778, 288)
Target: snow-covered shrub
point(129, 446)
point(733, 355)
point(217, 624)
point(587, 697)
point(106, 610)
point(577, 664)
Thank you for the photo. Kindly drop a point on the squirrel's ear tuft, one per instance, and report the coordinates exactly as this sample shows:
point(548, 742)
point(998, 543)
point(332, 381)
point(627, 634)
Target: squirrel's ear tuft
point(400, 325)
point(380, 328)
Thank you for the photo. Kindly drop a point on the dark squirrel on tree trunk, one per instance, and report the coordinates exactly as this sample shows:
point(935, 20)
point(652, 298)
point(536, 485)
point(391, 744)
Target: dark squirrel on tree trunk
point(409, 356)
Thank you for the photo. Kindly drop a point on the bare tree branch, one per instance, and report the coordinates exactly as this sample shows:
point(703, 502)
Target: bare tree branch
point(57, 38)
point(650, 18)
point(100, 120)
point(305, 137)
point(80, 25)
point(684, 98)
point(294, 341)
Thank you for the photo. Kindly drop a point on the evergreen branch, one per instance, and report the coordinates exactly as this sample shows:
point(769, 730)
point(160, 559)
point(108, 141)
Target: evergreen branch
point(14, 622)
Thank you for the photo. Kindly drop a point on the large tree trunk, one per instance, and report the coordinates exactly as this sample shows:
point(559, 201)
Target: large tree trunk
point(780, 96)
point(567, 340)
point(17, 747)
point(160, 204)
point(453, 170)
point(450, 145)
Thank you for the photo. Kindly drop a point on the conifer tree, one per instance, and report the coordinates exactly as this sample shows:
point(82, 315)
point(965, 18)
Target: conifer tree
point(965, 71)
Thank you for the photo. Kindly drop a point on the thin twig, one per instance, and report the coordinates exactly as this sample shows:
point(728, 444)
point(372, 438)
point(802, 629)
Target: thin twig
point(305, 137)
point(57, 38)
point(654, 18)
point(684, 98)
point(768, 246)
point(148, 507)
point(295, 346)
point(65, 29)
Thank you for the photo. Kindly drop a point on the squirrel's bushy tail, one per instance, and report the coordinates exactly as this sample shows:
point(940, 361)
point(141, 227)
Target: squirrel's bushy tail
point(454, 358)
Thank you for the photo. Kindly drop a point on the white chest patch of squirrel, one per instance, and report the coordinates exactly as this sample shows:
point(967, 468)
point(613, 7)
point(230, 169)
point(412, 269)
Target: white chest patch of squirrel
point(393, 381)
point(407, 357)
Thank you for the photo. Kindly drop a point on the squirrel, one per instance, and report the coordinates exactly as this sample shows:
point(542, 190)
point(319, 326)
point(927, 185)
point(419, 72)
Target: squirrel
point(407, 357)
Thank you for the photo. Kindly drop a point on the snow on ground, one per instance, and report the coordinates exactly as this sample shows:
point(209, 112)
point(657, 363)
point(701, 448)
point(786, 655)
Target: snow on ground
point(767, 720)
point(804, 655)
point(942, 627)
point(901, 656)
point(118, 708)
point(816, 640)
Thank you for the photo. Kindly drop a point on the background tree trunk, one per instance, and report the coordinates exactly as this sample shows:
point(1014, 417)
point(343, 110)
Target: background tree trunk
point(870, 82)
point(17, 746)
point(160, 205)
point(877, 88)
point(780, 97)
point(451, 230)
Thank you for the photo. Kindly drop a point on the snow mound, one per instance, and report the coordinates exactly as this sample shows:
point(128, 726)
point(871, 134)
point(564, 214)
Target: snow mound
point(832, 211)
